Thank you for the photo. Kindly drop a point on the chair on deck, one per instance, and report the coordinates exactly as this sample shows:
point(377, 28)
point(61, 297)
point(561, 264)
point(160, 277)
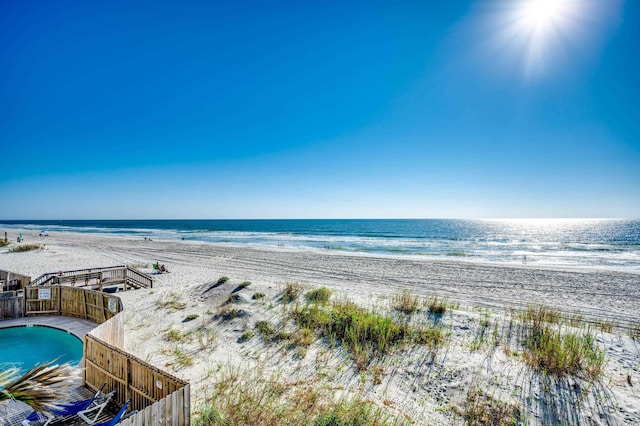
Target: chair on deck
point(67, 410)
point(118, 417)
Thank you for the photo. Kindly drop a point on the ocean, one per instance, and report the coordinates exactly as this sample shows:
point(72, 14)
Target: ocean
point(610, 244)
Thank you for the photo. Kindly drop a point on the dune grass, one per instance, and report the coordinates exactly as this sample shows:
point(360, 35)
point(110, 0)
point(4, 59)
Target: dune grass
point(551, 350)
point(254, 397)
point(4, 243)
point(484, 410)
point(437, 306)
point(405, 302)
point(26, 247)
point(291, 292)
point(368, 335)
point(320, 295)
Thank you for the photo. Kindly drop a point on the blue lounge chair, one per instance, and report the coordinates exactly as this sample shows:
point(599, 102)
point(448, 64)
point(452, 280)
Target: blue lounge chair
point(98, 401)
point(117, 418)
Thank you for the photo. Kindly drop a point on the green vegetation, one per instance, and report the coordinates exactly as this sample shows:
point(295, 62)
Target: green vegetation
point(26, 247)
point(183, 358)
point(172, 301)
point(481, 409)
point(367, 334)
point(437, 306)
point(258, 296)
point(247, 335)
point(255, 398)
point(549, 350)
point(405, 302)
point(4, 243)
point(173, 335)
point(320, 295)
point(266, 330)
point(228, 313)
point(634, 331)
point(222, 280)
point(207, 338)
point(291, 292)
point(191, 317)
point(244, 284)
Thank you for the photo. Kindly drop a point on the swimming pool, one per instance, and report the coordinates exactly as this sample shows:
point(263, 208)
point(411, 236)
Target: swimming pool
point(26, 346)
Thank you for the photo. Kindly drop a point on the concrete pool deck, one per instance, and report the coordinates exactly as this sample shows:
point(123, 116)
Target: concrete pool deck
point(77, 326)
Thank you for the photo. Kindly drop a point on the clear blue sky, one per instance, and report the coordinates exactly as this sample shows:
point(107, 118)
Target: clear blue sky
point(295, 109)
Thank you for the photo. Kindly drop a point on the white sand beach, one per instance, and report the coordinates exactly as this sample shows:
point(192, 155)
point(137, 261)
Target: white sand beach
point(427, 391)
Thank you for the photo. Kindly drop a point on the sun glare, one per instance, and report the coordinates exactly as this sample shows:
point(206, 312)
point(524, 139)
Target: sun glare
point(535, 30)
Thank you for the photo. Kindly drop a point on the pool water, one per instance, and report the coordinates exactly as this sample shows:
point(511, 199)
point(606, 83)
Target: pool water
point(24, 347)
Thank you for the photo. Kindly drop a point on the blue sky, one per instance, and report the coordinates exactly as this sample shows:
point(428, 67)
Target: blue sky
point(318, 109)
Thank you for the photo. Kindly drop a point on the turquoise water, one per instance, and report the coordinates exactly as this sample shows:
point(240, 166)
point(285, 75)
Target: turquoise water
point(24, 347)
point(612, 244)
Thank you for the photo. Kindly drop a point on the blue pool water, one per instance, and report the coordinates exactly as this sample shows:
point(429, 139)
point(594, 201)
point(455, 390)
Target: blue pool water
point(24, 347)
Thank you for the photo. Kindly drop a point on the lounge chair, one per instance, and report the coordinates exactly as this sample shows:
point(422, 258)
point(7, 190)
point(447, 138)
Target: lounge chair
point(117, 417)
point(67, 410)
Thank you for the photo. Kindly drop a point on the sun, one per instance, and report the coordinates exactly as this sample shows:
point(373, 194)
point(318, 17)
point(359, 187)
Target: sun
point(536, 31)
point(542, 13)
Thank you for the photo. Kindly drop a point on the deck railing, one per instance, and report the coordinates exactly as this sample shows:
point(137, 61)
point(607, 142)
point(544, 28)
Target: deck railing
point(97, 276)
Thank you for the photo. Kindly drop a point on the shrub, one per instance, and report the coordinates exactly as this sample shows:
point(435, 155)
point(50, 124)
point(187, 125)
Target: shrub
point(222, 280)
point(191, 317)
point(320, 295)
point(244, 284)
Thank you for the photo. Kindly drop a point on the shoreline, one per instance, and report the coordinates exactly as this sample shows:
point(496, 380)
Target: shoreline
point(534, 260)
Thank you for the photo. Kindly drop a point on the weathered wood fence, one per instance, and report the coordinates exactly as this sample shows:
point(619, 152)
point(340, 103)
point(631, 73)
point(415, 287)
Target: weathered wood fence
point(11, 281)
point(71, 302)
point(11, 305)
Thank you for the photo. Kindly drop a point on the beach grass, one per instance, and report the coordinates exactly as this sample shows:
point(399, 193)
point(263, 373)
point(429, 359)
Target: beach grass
point(171, 301)
point(254, 397)
point(320, 295)
point(551, 350)
point(26, 247)
point(258, 296)
point(4, 243)
point(222, 280)
point(368, 335)
point(482, 409)
point(291, 292)
point(437, 306)
point(405, 302)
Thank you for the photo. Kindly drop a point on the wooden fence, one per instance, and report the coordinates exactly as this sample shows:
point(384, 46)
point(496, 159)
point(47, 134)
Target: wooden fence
point(11, 305)
point(160, 398)
point(11, 281)
point(71, 302)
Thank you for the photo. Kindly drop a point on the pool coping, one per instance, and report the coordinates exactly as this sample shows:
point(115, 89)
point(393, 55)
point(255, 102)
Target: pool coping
point(77, 327)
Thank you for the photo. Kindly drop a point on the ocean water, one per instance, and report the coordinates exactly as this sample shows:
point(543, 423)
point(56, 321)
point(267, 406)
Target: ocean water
point(611, 244)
